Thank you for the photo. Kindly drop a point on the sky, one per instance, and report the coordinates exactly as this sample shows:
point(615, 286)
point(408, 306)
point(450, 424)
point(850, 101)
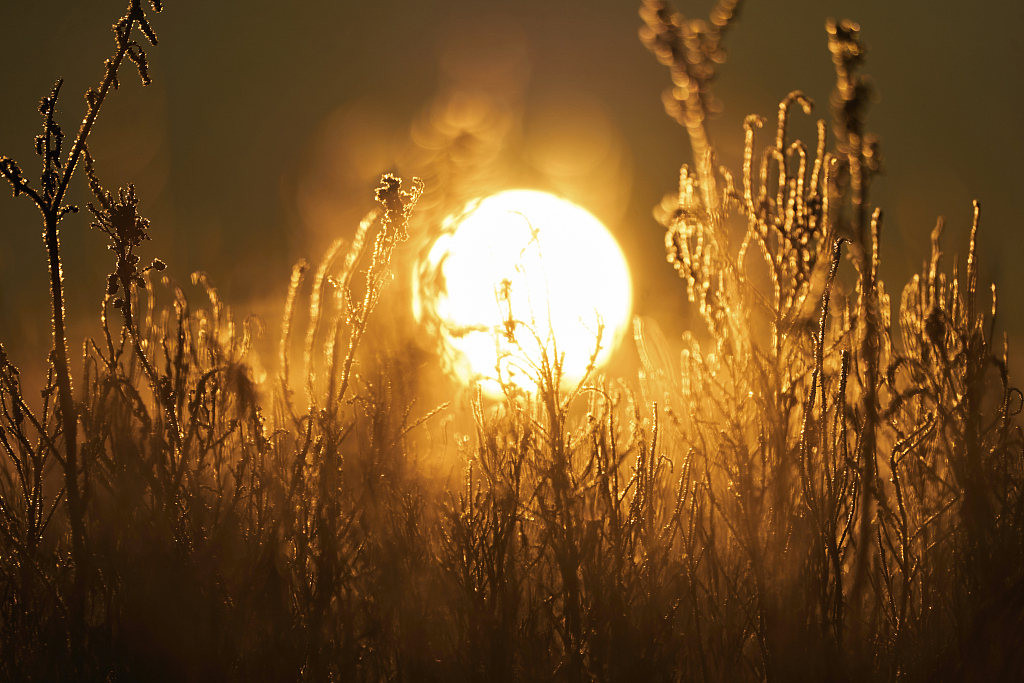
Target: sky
point(268, 123)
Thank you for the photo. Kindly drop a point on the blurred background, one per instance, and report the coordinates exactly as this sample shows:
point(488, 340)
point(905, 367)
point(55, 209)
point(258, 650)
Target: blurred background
point(268, 125)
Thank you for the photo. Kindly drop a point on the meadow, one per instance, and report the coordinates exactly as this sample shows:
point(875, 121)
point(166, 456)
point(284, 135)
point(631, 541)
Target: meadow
point(823, 484)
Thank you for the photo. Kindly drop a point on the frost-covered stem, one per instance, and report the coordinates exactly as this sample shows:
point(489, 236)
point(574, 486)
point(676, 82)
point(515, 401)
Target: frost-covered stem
point(69, 426)
point(95, 102)
point(869, 333)
point(161, 391)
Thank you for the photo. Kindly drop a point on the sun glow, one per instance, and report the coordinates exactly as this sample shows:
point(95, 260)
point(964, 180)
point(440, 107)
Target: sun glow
point(519, 280)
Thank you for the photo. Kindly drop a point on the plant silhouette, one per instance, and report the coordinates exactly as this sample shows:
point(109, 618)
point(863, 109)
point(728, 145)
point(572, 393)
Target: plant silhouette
point(823, 484)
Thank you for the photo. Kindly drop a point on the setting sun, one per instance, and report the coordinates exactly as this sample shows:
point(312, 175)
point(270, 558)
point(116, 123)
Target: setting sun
point(518, 274)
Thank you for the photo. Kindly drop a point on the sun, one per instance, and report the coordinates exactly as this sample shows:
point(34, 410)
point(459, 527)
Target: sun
point(518, 281)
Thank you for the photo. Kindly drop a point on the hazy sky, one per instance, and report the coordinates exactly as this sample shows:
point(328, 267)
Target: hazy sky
point(267, 122)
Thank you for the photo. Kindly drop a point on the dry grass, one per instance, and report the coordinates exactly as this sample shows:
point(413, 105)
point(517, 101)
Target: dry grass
point(828, 488)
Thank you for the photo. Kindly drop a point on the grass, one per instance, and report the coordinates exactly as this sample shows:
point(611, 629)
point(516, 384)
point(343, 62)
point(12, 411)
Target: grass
point(824, 487)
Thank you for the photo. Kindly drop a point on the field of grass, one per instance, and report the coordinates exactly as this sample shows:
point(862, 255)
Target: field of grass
point(824, 485)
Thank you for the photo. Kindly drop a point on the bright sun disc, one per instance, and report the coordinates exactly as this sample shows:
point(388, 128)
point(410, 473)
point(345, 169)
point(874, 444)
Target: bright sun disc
point(518, 274)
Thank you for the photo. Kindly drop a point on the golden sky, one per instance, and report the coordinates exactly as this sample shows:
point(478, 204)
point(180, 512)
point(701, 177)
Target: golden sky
point(267, 123)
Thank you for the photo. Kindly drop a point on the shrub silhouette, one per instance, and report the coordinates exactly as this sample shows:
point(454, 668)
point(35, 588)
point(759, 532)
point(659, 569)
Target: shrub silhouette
point(822, 488)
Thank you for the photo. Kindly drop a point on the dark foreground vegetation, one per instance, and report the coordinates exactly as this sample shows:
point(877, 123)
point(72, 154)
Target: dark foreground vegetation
point(826, 488)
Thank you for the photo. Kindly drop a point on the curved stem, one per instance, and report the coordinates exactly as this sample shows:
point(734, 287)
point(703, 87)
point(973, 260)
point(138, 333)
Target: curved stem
point(159, 393)
point(52, 214)
point(95, 102)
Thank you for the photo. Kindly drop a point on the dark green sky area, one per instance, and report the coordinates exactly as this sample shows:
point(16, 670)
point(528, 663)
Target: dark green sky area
point(267, 121)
